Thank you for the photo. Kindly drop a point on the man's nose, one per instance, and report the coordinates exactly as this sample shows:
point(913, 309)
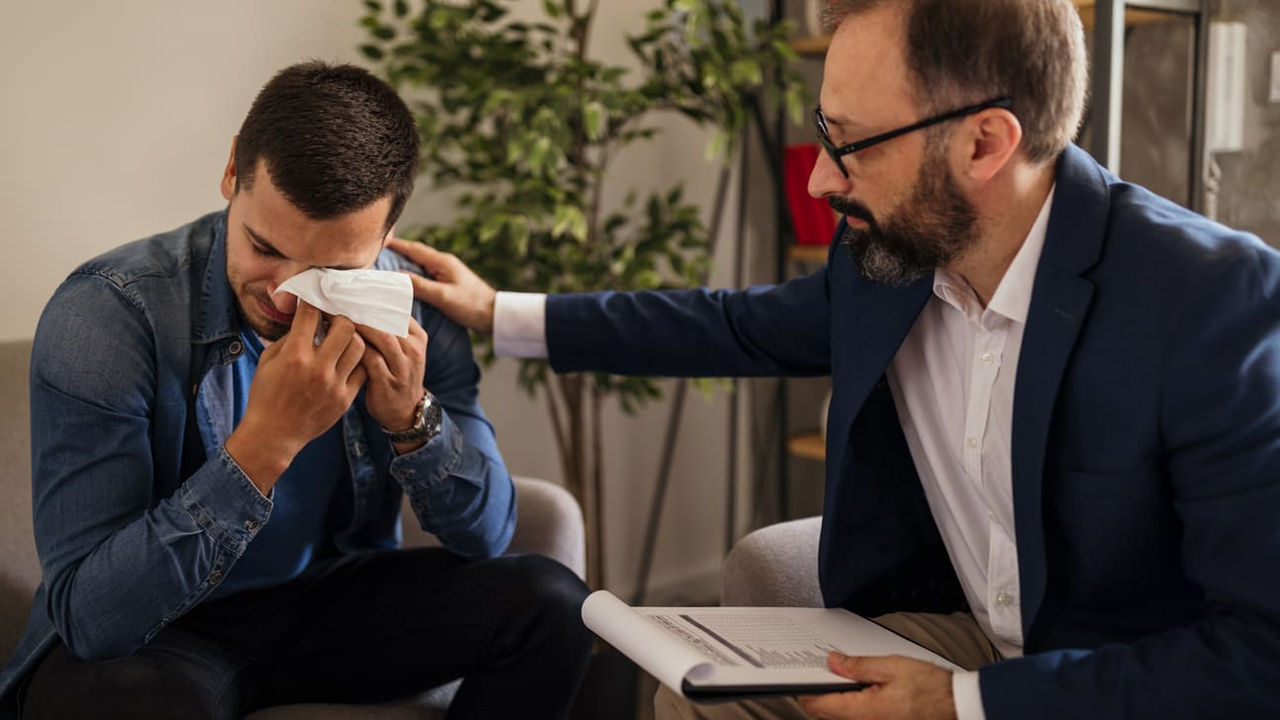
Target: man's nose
point(826, 180)
point(285, 302)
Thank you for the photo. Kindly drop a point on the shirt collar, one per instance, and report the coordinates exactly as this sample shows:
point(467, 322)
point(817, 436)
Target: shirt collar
point(219, 315)
point(1012, 297)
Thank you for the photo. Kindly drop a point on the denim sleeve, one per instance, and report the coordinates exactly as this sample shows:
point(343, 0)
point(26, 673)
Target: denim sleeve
point(458, 485)
point(119, 562)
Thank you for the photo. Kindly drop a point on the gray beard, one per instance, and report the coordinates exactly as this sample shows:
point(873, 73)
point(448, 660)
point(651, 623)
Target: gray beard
point(878, 263)
point(932, 228)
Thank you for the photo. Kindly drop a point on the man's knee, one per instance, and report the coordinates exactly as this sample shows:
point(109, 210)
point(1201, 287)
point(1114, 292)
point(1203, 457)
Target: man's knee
point(548, 585)
point(548, 596)
point(555, 591)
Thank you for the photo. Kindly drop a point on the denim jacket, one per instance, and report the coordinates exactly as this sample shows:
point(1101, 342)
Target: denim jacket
point(140, 512)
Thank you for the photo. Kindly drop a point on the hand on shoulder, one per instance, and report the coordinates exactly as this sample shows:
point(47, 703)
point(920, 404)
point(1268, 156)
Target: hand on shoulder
point(453, 288)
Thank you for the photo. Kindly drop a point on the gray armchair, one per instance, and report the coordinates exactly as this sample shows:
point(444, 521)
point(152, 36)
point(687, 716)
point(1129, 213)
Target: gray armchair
point(549, 523)
point(774, 566)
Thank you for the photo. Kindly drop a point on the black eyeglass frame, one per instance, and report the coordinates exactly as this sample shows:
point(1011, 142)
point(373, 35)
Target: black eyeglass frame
point(824, 134)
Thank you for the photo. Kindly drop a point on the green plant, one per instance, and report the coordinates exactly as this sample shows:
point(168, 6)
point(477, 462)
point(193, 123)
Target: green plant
point(518, 115)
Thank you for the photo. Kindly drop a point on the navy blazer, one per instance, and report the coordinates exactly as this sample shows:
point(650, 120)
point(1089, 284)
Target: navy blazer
point(1145, 447)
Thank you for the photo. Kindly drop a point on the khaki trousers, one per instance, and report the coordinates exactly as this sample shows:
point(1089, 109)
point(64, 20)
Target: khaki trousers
point(955, 637)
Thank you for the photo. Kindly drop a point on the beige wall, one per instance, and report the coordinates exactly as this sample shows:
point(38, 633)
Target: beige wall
point(117, 122)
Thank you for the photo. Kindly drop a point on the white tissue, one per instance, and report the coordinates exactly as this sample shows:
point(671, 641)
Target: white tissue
point(381, 299)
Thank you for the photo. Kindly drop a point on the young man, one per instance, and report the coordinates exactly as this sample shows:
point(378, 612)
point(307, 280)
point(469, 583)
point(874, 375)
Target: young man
point(1054, 444)
point(217, 493)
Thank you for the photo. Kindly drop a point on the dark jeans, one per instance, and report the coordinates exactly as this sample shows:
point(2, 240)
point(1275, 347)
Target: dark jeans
point(364, 628)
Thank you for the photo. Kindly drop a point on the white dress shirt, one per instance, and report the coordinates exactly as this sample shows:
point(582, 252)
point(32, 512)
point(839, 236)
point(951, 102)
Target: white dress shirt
point(952, 383)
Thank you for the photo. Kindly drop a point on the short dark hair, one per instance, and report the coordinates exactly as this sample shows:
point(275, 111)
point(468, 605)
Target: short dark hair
point(969, 51)
point(334, 138)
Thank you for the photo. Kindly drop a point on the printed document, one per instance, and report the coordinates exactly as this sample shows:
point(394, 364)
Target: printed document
point(723, 653)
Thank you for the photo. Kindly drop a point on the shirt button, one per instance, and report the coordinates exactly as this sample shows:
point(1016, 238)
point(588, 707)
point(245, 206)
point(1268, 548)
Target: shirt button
point(988, 357)
point(235, 348)
point(973, 442)
point(251, 524)
point(215, 576)
point(991, 516)
point(1004, 599)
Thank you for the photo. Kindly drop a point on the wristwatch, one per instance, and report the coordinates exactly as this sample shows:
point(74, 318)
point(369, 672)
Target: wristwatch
point(427, 420)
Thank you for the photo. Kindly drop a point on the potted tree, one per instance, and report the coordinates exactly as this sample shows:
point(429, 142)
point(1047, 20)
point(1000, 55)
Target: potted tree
point(518, 115)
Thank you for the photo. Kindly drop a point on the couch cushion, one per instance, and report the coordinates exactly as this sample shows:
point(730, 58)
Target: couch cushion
point(19, 570)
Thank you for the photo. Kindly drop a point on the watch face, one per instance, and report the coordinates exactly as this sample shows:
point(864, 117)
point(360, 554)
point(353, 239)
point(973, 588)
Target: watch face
point(428, 419)
point(431, 414)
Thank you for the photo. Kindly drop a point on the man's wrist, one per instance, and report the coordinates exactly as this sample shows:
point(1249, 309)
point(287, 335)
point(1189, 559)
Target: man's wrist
point(261, 462)
point(424, 426)
point(492, 307)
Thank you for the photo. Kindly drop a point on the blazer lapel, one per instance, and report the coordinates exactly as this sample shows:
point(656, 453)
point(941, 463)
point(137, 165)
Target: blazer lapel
point(868, 324)
point(1059, 301)
point(883, 316)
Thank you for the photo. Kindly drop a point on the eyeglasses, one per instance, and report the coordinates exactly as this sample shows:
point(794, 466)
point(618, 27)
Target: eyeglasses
point(824, 135)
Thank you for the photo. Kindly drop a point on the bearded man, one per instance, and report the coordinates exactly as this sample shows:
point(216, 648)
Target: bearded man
point(1053, 449)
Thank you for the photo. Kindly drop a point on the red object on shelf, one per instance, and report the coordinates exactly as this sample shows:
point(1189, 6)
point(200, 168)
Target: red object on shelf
point(813, 219)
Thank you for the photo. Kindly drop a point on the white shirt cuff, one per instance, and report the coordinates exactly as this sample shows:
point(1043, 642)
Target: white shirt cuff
point(968, 696)
point(520, 325)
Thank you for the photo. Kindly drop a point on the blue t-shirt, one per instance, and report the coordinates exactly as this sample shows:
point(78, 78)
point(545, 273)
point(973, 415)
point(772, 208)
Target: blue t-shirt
point(312, 499)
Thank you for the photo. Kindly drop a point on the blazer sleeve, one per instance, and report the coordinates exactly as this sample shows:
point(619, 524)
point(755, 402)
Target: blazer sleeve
point(1220, 425)
point(761, 331)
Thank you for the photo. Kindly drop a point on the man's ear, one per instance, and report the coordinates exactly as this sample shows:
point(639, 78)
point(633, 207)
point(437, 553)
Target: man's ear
point(229, 174)
point(991, 138)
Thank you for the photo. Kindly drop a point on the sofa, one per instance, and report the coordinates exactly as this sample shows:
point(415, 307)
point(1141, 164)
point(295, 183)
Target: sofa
point(549, 523)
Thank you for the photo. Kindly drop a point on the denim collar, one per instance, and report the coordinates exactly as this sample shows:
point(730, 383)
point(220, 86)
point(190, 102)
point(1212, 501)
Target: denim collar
point(218, 316)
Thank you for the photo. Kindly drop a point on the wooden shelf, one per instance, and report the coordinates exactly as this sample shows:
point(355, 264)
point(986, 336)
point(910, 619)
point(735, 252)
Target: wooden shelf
point(1131, 16)
point(816, 46)
point(807, 253)
point(810, 446)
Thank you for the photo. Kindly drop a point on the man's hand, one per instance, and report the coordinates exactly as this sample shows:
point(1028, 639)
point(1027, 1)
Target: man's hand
point(457, 291)
point(395, 366)
point(299, 391)
point(901, 688)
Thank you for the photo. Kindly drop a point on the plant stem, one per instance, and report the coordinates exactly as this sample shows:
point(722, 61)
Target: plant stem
point(572, 389)
point(561, 432)
point(597, 479)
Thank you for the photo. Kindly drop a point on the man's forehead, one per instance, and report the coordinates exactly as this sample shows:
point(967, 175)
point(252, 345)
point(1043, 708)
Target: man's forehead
point(333, 250)
point(270, 219)
point(865, 77)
